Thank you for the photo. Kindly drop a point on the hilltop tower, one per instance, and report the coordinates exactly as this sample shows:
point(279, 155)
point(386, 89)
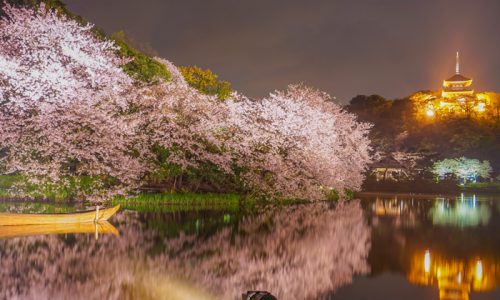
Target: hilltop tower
point(457, 85)
point(456, 99)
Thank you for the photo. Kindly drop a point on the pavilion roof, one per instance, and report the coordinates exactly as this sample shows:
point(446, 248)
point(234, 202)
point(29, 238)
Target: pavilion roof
point(388, 162)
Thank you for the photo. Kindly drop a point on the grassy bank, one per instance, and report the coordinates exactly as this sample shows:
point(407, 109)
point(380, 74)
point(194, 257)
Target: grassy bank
point(5, 183)
point(38, 207)
point(160, 201)
point(179, 201)
point(46, 191)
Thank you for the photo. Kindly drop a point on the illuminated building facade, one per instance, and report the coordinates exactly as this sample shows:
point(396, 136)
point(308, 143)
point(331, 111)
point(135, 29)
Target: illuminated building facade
point(389, 169)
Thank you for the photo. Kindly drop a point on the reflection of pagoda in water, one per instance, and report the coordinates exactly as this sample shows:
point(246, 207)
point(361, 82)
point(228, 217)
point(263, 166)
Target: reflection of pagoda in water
point(455, 278)
point(462, 255)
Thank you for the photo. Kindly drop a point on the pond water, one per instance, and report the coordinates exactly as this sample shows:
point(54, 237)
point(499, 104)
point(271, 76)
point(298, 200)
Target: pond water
point(371, 248)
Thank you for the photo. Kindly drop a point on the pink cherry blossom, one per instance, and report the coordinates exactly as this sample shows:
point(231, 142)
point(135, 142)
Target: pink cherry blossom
point(298, 143)
point(68, 110)
point(64, 100)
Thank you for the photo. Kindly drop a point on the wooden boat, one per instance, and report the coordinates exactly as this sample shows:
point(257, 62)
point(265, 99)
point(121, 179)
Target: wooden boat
point(93, 216)
point(29, 230)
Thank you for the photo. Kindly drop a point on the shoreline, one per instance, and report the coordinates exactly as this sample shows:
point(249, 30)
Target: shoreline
point(223, 200)
point(403, 194)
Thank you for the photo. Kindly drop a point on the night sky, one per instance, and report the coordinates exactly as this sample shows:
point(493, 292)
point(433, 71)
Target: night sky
point(392, 48)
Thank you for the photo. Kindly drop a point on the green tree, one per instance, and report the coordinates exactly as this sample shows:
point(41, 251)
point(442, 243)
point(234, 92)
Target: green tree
point(369, 108)
point(463, 168)
point(141, 67)
point(206, 81)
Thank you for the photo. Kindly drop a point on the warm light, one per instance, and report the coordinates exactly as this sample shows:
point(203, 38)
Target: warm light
point(430, 113)
point(427, 261)
point(442, 103)
point(455, 278)
point(479, 270)
point(480, 107)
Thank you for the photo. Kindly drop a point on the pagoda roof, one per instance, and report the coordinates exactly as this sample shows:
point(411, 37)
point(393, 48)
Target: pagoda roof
point(388, 162)
point(458, 78)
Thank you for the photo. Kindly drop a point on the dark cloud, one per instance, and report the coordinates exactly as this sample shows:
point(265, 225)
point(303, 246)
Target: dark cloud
point(392, 48)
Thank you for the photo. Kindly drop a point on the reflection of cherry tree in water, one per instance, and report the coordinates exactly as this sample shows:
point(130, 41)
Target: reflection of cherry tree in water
point(66, 267)
point(299, 252)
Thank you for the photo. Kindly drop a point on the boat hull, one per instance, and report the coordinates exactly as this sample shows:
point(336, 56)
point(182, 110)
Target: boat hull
point(7, 219)
point(103, 227)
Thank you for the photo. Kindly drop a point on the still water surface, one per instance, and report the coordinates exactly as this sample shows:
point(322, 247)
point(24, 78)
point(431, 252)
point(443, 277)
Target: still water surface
point(372, 248)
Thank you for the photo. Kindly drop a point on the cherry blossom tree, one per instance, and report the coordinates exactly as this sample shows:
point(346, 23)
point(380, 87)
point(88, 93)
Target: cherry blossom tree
point(296, 143)
point(48, 60)
point(69, 111)
point(299, 143)
point(63, 101)
point(190, 126)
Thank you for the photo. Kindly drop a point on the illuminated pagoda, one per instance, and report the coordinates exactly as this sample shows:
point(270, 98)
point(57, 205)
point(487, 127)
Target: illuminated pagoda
point(457, 85)
point(457, 98)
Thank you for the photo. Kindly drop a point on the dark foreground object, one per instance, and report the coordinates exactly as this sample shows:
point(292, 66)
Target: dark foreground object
point(257, 295)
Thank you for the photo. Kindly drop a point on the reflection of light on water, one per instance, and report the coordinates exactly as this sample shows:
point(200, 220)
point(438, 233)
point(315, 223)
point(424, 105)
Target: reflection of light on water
point(467, 211)
point(388, 208)
point(455, 278)
point(427, 261)
point(479, 270)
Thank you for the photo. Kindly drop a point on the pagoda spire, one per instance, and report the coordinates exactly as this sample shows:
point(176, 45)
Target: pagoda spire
point(457, 66)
